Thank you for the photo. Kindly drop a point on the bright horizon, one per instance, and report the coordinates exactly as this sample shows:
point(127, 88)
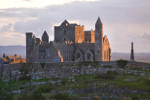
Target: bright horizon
point(124, 21)
point(35, 3)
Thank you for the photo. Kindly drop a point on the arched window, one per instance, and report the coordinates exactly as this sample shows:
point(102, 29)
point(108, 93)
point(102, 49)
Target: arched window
point(78, 56)
point(89, 56)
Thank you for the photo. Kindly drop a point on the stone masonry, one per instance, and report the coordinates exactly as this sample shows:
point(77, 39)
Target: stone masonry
point(71, 44)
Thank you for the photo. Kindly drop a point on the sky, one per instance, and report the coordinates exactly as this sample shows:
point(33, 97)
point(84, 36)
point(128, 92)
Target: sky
point(124, 21)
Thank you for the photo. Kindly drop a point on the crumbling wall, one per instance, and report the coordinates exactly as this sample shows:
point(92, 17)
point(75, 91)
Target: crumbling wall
point(48, 70)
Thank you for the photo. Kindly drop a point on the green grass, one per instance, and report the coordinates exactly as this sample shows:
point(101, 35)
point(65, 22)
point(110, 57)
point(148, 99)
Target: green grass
point(112, 78)
point(81, 80)
point(140, 82)
point(144, 96)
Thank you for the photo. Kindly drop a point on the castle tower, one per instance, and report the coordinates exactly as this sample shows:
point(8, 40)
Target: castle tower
point(99, 30)
point(132, 52)
point(45, 37)
point(98, 40)
point(29, 44)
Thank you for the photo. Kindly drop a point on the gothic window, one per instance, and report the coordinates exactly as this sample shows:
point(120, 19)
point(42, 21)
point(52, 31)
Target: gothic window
point(104, 54)
point(43, 55)
point(78, 56)
point(64, 32)
point(107, 54)
point(88, 56)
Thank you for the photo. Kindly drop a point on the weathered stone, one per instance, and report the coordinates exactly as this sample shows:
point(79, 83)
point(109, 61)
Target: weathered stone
point(71, 44)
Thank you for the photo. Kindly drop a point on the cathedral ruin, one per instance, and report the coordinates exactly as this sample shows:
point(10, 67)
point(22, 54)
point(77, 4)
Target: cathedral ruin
point(71, 44)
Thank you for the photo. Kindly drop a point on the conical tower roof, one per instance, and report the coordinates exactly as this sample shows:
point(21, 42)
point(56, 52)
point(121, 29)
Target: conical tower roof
point(99, 22)
point(65, 22)
point(45, 33)
point(99, 26)
point(45, 37)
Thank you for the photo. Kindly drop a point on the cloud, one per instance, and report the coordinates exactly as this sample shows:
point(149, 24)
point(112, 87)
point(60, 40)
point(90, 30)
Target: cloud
point(5, 28)
point(28, 0)
point(124, 21)
point(36, 3)
point(146, 37)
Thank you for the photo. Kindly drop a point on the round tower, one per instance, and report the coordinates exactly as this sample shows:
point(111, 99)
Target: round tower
point(98, 40)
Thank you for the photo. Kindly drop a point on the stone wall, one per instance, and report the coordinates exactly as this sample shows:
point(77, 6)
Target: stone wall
point(71, 43)
point(61, 70)
point(47, 70)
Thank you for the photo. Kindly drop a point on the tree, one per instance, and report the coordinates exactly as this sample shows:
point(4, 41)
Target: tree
point(122, 63)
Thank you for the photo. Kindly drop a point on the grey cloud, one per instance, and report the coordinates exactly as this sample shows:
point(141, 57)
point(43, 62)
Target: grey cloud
point(6, 28)
point(146, 37)
point(112, 12)
point(142, 43)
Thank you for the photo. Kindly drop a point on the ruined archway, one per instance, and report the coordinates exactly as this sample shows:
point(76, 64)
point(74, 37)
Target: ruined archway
point(89, 56)
point(78, 56)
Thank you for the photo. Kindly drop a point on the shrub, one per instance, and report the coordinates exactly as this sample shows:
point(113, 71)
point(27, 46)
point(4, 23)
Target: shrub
point(107, 66)
point(5, 95)
point(63, 96)
point(45, 88)
point(135, 98)
point(122, 63)
point(148, 80)
point(35, 95)
point(96, 98)
point(85, 63)
point(104, 76)
point(25, 71)
point(43, 65)
point(95, 63)
point(112, 73)
point(24, 96)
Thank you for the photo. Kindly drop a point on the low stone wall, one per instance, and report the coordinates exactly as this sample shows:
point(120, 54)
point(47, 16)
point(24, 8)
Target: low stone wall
point(57, 70)
point(142, 65)
point(37, 70)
